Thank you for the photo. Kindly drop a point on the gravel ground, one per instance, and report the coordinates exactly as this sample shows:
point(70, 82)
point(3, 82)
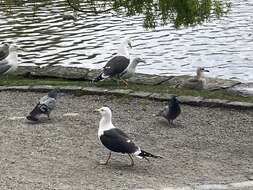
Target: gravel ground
point(206, 145)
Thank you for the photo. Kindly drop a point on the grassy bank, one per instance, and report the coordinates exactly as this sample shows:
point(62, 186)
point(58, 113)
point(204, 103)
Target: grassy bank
point(219, 94)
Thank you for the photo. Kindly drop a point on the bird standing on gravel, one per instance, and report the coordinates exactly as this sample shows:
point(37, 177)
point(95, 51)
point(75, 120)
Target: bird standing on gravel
point(44, 107)
point(171, 111)
point(10, 63)
point(116, 140)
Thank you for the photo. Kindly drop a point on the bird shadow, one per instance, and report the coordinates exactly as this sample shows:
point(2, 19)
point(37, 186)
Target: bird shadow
point(37, 123)
point(116, 165)
point(165, 123)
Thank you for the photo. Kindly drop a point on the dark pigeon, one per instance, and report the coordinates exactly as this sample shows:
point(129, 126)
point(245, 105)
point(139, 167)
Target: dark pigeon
point(44, 107)
point(171, 111)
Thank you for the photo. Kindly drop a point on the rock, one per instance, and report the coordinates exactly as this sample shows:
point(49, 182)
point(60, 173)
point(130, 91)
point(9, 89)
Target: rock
point(120, 91)
point(42, 88)
point(250, 176)
point(179, 188)
point(212, 187)
point(242, 105)
point(177, 81)
point(242, 184)
point(56, 71)
point(245, 89)
point(217, 84)
point(140, 94)
point(211, 84)
point(63, 72)
point(92, 74)
point(148, 79)
point(215, 102)
point(160, 96)
point(94, 90)
point(15, 88)
point(191, 100)
point(70, 88)
point(25, 70)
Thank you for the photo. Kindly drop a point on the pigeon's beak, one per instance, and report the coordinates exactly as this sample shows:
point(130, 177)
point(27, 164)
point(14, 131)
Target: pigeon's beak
point(205, 70)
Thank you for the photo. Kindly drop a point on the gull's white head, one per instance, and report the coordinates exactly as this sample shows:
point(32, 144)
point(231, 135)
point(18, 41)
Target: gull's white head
point(200, 71)
point(13, 48)
point(105, 112)
point(127, 42)
point(137, 60)
point(5, 46)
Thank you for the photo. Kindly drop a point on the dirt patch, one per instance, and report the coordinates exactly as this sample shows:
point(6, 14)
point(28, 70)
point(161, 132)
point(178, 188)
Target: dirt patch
point(206, 145)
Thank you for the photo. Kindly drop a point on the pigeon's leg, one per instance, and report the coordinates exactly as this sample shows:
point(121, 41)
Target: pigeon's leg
point(132, 161)
point(107, 161)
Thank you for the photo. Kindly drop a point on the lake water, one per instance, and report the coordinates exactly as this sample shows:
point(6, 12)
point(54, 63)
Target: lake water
point(224, 46)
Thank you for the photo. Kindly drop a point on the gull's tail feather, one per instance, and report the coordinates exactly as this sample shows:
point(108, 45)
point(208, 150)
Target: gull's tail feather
point(145, 155)
point(99, 78)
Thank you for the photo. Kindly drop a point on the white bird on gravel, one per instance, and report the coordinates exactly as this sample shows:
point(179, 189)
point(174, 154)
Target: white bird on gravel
point(116, 140)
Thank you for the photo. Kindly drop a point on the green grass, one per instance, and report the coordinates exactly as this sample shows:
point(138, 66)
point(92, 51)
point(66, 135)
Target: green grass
point(220, 94)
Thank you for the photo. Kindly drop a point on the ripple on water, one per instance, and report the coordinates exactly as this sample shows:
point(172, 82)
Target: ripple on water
point(225, 46)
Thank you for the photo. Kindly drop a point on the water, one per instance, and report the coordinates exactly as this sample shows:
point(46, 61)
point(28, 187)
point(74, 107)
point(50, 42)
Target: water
point(224, 46)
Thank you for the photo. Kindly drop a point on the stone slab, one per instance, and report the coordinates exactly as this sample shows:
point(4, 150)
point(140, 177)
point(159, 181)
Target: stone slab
point(212, 83)
point(243, 184)
point(92, 74)
point(24, 70)
point(42, 88)
point(212, 187)
point(215, 102)
point(56, 71)
point(244, 105)
point(245, 89)
point(148, 79)
point(94, 90)
point(191, 100)
point(17, 88)
point(120, 91)
point(140, 94)
point(160, 96)
point(179, 188)
point(70, 88)
point(216, 84)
